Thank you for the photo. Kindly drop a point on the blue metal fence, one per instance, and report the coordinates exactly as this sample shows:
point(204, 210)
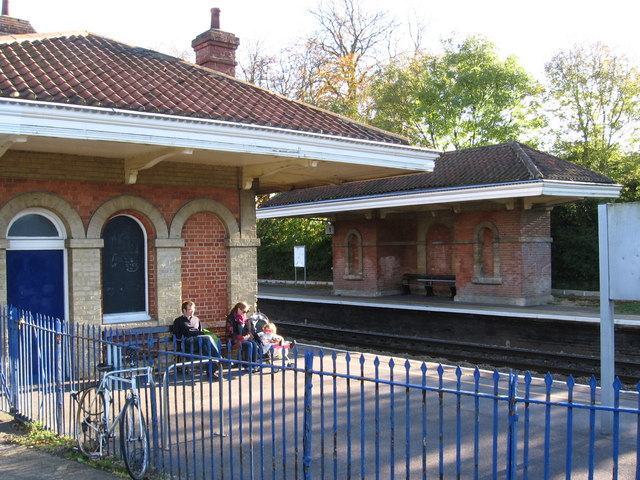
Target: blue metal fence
point(331, 414)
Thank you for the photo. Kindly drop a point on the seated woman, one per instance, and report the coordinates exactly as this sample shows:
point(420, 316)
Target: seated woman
point(240, 334)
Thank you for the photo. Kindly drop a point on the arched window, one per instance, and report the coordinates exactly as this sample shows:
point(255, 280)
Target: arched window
point(486, 254)
point(33, 225)
point(353, 256)
point(124, 271)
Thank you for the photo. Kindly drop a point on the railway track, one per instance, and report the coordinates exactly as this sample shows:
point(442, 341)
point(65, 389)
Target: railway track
point(561, 363)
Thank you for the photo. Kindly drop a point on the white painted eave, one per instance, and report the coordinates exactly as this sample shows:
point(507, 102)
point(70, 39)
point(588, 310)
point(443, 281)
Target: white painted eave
point(62, 121)
point(534, 188)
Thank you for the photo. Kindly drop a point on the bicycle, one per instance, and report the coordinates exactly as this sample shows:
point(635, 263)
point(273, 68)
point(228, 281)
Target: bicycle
point(94, 425)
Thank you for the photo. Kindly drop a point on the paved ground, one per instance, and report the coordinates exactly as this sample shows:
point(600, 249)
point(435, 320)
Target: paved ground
point(24, 463)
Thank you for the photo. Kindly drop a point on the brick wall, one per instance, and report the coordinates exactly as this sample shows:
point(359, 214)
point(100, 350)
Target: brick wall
point(514, 261)
point(388, 251)
point(205, 268)
point(197, 265)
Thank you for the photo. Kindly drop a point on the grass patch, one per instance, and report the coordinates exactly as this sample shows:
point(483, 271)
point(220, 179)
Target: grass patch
point(34, 435)
point(629, 308)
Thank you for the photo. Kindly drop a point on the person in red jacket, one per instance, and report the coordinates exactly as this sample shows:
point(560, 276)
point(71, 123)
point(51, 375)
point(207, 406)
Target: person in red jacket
point(240, 334)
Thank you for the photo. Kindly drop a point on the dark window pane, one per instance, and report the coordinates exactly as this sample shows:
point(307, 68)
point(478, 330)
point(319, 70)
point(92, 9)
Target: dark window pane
point(123, 268)
point(33, 225)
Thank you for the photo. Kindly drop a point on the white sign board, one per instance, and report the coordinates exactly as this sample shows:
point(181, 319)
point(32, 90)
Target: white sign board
point(623, 224)
point(299, 256)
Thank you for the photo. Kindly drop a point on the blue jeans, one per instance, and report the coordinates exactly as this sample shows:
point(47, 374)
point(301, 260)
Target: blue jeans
point(249, 350)
point(201, 345)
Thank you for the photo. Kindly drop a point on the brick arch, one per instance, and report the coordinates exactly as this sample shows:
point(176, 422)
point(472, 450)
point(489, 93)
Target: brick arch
point(353, 258)
point(127, 202)
point(486, 253)
point(46, 201)
point(204, 205)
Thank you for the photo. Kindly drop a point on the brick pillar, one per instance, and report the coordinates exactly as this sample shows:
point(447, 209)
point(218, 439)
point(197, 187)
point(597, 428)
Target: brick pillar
point(243, 255)
point(169, 278)
point(243, 268)
point(85, 282)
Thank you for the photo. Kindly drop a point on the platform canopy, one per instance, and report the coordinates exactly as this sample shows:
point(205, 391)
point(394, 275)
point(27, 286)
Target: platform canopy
point(510, 175)
point(79, 93)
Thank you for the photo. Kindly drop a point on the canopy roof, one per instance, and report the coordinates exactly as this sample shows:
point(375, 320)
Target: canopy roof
point(499, 173)
point(81, 93)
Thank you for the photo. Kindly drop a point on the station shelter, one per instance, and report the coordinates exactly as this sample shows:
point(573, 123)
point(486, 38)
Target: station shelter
point(479, 222)
point(128, 177)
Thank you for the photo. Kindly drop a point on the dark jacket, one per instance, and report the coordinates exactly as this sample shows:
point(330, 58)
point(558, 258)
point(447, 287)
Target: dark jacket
point(235, 330)
point(187, 327)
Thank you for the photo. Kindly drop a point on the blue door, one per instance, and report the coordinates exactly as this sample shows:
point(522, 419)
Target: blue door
point(35, 281)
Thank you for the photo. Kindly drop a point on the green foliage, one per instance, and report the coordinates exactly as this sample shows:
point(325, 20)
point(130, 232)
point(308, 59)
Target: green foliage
point(594, 98)
point(464, 98)
point(574, 251)
point(278, 236)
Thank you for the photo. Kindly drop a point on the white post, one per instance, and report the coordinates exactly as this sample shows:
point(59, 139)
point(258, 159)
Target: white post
point(607, 329)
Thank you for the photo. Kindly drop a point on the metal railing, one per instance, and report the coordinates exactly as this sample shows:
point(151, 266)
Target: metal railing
point(331, 414)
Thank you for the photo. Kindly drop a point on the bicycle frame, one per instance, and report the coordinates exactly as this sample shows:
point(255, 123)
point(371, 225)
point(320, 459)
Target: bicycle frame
point(128, 376)
point(106, 387)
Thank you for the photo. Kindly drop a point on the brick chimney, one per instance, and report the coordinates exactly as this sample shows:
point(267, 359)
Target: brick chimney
point(13, 26)
point(216, 49)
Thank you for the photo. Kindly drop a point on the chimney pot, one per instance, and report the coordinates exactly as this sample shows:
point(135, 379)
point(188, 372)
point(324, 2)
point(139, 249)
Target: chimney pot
point(216, 49)
point(215, 18)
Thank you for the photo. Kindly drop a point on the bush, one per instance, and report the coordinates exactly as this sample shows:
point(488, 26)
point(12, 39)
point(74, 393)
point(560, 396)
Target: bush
point(574, 251)
point(278, 236)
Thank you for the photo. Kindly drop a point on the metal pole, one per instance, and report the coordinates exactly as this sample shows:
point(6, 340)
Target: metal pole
point(308, 423)
point(14, 355)
point(58, 374)
point(607, 329)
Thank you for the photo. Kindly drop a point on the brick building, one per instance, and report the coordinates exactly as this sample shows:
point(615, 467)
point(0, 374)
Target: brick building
point(482, 215)
point(128, 177)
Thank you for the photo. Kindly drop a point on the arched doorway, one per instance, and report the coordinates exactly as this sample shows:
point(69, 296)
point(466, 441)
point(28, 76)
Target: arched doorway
point(36, 274)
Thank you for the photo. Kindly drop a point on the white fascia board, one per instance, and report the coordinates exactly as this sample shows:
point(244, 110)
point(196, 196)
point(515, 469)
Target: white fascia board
point(445, 195)
point(559, 188)
point(30, 118)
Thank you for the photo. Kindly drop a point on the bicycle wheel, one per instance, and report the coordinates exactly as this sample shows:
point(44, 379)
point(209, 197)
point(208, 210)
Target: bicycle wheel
point(134, 441)
point(90, 425)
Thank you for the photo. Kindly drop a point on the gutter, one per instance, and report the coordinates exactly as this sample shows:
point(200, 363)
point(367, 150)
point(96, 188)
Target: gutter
point(530, 188)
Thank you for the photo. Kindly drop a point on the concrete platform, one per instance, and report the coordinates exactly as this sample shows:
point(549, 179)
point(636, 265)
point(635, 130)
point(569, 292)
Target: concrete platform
point(322, 294)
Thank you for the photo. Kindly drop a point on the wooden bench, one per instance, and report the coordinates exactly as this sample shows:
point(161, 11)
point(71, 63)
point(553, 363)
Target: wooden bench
point(428, 281)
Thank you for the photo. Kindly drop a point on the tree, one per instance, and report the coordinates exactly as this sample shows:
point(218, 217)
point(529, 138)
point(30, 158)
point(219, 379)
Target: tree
point(346, 45)
point(594, 98)
point(331, 68)
point(463, 98)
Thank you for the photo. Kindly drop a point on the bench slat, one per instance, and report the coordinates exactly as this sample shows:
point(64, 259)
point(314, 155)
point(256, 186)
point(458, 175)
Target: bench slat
point(429, 281)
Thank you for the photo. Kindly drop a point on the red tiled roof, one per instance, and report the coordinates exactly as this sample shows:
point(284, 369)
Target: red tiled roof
point(471, 167)
point(86, 69)
point(12, 26)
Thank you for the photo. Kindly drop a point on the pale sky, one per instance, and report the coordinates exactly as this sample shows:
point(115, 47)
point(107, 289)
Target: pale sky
point(531, 30)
